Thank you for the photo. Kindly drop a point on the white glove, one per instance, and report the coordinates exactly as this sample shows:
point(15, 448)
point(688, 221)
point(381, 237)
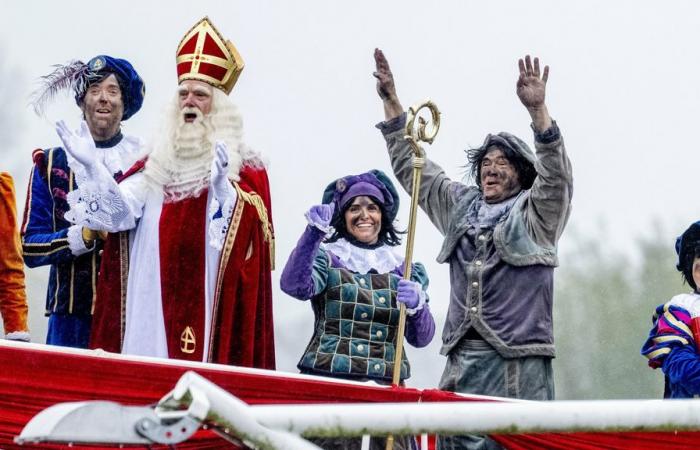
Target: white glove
point(80, 145)
point(321, 216)
point(19, 336)
point(219, 171)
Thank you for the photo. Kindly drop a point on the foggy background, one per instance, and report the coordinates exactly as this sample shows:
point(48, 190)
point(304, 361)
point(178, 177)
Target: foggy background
point(623, 89)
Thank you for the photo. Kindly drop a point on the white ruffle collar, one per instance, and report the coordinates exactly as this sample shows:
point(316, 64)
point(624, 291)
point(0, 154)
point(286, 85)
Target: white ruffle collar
point(123, 155)
point(361, 260)
point(690, 302)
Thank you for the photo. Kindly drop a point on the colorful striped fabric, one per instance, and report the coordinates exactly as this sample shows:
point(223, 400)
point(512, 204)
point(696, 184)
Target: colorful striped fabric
point(671, 329)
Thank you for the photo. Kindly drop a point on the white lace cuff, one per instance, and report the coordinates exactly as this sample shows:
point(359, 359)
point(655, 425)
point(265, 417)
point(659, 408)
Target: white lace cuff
point(421, 301)
point(98, 204)
point(218, 226)
point(76, 242)
point(325, 228)
point(18, 336)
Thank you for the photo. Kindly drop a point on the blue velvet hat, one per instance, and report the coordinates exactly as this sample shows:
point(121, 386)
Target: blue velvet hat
point(374, 183)
point(131, 84)
point(78, 76)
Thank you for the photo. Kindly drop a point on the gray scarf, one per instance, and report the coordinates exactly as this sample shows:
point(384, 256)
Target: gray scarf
point(485, 216)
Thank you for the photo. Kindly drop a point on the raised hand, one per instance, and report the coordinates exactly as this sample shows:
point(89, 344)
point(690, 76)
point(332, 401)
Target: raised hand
point(219, 170)
point(80, 144)
point(531, 89)
point(408, 293)
point(385, 79)
point(385, 86)
point(321, 216)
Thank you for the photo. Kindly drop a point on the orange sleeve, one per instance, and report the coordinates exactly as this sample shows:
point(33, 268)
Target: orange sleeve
point(13, 298)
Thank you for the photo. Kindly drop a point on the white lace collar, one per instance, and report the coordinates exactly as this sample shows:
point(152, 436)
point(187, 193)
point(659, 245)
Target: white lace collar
point(123, 155)
point(116, 159)
point(690, 302)
point(361, 260)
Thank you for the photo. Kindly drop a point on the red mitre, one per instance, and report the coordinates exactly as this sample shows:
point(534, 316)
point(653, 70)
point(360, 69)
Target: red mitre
point(205, 55)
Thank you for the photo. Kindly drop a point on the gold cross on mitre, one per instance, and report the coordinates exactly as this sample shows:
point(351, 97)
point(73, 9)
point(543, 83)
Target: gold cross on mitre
point(205, 55)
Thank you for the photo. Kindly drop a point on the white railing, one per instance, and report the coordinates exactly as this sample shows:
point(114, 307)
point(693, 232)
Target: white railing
point(280, 426)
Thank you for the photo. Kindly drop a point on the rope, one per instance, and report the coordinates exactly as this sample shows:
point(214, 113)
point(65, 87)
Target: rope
point(257, 202)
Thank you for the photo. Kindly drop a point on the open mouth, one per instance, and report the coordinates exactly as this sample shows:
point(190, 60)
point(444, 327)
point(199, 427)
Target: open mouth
point(190, 117)
point(362, 222)
point(364, 226)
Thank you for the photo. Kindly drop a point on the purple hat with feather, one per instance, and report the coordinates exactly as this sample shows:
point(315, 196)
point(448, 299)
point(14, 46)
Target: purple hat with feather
point(373, 184)
point(78, 77)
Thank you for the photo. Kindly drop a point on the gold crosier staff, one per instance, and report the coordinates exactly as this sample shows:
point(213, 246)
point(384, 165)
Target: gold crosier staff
point(414, 135)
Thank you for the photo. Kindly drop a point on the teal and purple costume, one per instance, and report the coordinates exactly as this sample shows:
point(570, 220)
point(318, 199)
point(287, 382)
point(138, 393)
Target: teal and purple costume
point(353, 287)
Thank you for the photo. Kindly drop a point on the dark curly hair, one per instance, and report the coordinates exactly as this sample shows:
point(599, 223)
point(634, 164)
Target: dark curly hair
point(388, 234)
point(686, 263)
point(524, 168)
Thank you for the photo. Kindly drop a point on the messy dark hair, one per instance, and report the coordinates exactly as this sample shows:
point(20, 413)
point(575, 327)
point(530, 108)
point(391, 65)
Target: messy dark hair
point(524, 168)
point(686, 262)
point(388, 234)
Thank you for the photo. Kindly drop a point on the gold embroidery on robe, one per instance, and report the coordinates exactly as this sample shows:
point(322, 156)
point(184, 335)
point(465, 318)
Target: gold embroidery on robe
point(188, 342)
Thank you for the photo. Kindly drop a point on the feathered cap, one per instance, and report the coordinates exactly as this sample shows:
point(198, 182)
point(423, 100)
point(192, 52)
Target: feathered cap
point(374, 183)
point(205, 55)
point(78, 77)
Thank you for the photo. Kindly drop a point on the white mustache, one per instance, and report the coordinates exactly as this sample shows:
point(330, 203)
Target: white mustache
point(190, 110)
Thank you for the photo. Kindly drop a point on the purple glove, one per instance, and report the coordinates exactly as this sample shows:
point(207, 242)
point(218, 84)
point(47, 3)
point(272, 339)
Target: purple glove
point(320, 216)
point(409, 293)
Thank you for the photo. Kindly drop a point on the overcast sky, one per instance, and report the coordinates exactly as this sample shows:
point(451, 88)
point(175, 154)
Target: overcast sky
point(623, 88)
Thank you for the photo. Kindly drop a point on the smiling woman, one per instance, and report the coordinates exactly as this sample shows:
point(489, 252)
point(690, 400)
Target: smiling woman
point(363, 219)
point(354, 280)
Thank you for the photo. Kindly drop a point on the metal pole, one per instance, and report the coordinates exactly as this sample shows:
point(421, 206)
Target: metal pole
point(414, 135)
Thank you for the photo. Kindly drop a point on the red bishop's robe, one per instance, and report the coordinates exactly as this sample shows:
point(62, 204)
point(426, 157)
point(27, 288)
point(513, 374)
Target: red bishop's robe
point(242, 325)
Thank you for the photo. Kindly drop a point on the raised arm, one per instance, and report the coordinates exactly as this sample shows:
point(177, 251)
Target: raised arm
point(385, 86)
point(531, 89)
point(98, 203)
point(549, 203)
point(437, 191)
point(305, 274)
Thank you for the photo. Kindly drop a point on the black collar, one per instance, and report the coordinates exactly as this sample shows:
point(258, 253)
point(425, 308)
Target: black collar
point(357, 243)
point(111, 142)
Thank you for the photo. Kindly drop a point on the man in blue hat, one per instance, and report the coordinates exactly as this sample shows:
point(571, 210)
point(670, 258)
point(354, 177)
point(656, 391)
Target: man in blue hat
point(108, 91)
point(501, 244)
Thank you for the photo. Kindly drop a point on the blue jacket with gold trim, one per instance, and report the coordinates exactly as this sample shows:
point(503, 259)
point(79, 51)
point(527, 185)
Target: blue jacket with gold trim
point(49, 239)
point(72, 278)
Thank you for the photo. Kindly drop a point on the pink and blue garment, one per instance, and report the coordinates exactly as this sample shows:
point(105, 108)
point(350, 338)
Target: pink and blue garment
point(672, 347)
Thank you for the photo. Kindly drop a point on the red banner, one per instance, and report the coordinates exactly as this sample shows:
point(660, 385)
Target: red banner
point(36, 377)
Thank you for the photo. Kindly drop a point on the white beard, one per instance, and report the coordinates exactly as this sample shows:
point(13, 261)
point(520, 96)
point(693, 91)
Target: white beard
point(181, 159)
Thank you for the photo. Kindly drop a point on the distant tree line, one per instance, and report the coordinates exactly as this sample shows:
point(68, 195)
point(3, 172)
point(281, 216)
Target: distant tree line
point(604, 300)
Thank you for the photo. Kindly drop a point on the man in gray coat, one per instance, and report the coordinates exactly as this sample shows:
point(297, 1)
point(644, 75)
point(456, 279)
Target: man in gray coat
point(501, 243)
